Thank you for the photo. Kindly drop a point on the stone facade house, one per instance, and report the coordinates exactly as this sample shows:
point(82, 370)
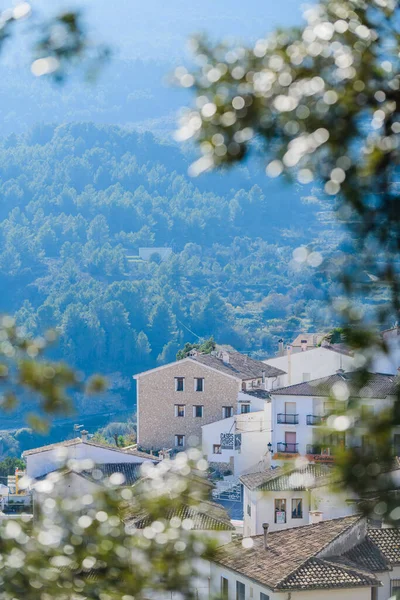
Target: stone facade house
point(174, 401)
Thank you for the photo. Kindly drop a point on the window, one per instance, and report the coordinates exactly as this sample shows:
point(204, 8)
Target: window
point(264, 596)
point(280, 511)
point(199, 384)
point(179, 410)
point(224, 588)
point(374, 593)
point(227, 411)
point(217, 449)
point(198, 411)
point(394, 586)
point(244, 408)
point(240, 591)
point(396, 443)
point(306, 376)
point(179, 384)
point(179, 441)
point(249, 510)
point(297, 508)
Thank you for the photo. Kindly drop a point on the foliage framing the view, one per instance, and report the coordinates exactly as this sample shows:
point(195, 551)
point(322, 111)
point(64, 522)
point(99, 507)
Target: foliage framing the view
point(324, 101)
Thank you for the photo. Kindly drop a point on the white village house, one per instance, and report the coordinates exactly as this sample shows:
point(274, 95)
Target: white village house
point(45, 459)
point(339, 559)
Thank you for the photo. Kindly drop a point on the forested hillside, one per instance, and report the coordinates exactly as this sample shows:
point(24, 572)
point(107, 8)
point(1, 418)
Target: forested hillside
point(78, 201)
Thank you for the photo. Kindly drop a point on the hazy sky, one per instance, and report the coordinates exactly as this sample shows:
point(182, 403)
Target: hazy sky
point(160, 27)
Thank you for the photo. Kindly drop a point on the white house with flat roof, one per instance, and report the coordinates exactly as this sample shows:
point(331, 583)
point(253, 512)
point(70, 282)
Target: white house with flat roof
point(239, 443)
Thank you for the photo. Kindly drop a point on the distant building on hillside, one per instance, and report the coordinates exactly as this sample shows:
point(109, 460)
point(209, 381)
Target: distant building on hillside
point(148, 253)
point(306, 341)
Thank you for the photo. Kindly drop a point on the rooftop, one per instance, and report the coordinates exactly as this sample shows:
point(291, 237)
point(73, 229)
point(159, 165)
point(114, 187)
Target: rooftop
point(78, 440)
point(281, 479)
point(379, 386)
point(239, 365)
point(312, 339)
point(205, 516)
point(284, 564)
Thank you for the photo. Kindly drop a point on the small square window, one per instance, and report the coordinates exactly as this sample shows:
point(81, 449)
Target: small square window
point(179, 410)
point(199, 384)
point(227, 411)
point(244, 408)
point(198, 411)
point(217, 449)
point(179, 384)
point(264, 596)
point(179, 441)
point(297, 508)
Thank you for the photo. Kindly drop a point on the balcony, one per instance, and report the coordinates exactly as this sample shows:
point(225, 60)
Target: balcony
point(285, 419)
point(287, 448)
point(316, 420)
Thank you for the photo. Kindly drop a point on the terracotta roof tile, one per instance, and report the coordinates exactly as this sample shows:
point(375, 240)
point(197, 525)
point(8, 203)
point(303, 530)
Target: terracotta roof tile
point(206, 516)
point(367, 555)
point(319, 573)
point(378, 386)
point(287, 550)
point(281, 479)
point(388, 542)
point(239, 365)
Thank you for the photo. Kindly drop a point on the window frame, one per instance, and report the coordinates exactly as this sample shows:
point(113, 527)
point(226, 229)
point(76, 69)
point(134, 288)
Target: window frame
point(217, 446)
point(247, 406)
point(177, 410)
point(224, 584)
point(196, 380)
point(284, 503)
point(195, 407)
point(264, 596)
point(224, 408)
point(301, 507)
point(177, 436)
point(177, 381)
point(240, 590)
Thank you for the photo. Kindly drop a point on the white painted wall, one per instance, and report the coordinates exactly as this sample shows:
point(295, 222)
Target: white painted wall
point(318, 362)
point(305, 405)
point(44, 462)
point(253, 589)
point(262, 508)
point(255, 429)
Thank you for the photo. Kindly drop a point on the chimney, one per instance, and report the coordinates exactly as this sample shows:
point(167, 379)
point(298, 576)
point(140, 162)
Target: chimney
point(315, 516)
point(265, 527)
point(303, 345)
point(84, 434)
point(225, 357)
point(281, 351)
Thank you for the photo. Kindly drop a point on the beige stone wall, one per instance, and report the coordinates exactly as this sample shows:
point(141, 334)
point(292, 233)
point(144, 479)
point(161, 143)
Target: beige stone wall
point(157, 424)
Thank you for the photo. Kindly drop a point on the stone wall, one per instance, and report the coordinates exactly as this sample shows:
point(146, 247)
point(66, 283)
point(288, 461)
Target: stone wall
point(157, 397)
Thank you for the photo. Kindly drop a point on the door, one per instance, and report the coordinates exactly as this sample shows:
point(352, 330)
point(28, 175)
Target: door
point(290, 441)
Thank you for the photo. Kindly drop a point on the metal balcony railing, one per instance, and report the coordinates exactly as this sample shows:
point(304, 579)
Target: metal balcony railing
point(316, 420)
point(288, 419)
point(287, 447)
